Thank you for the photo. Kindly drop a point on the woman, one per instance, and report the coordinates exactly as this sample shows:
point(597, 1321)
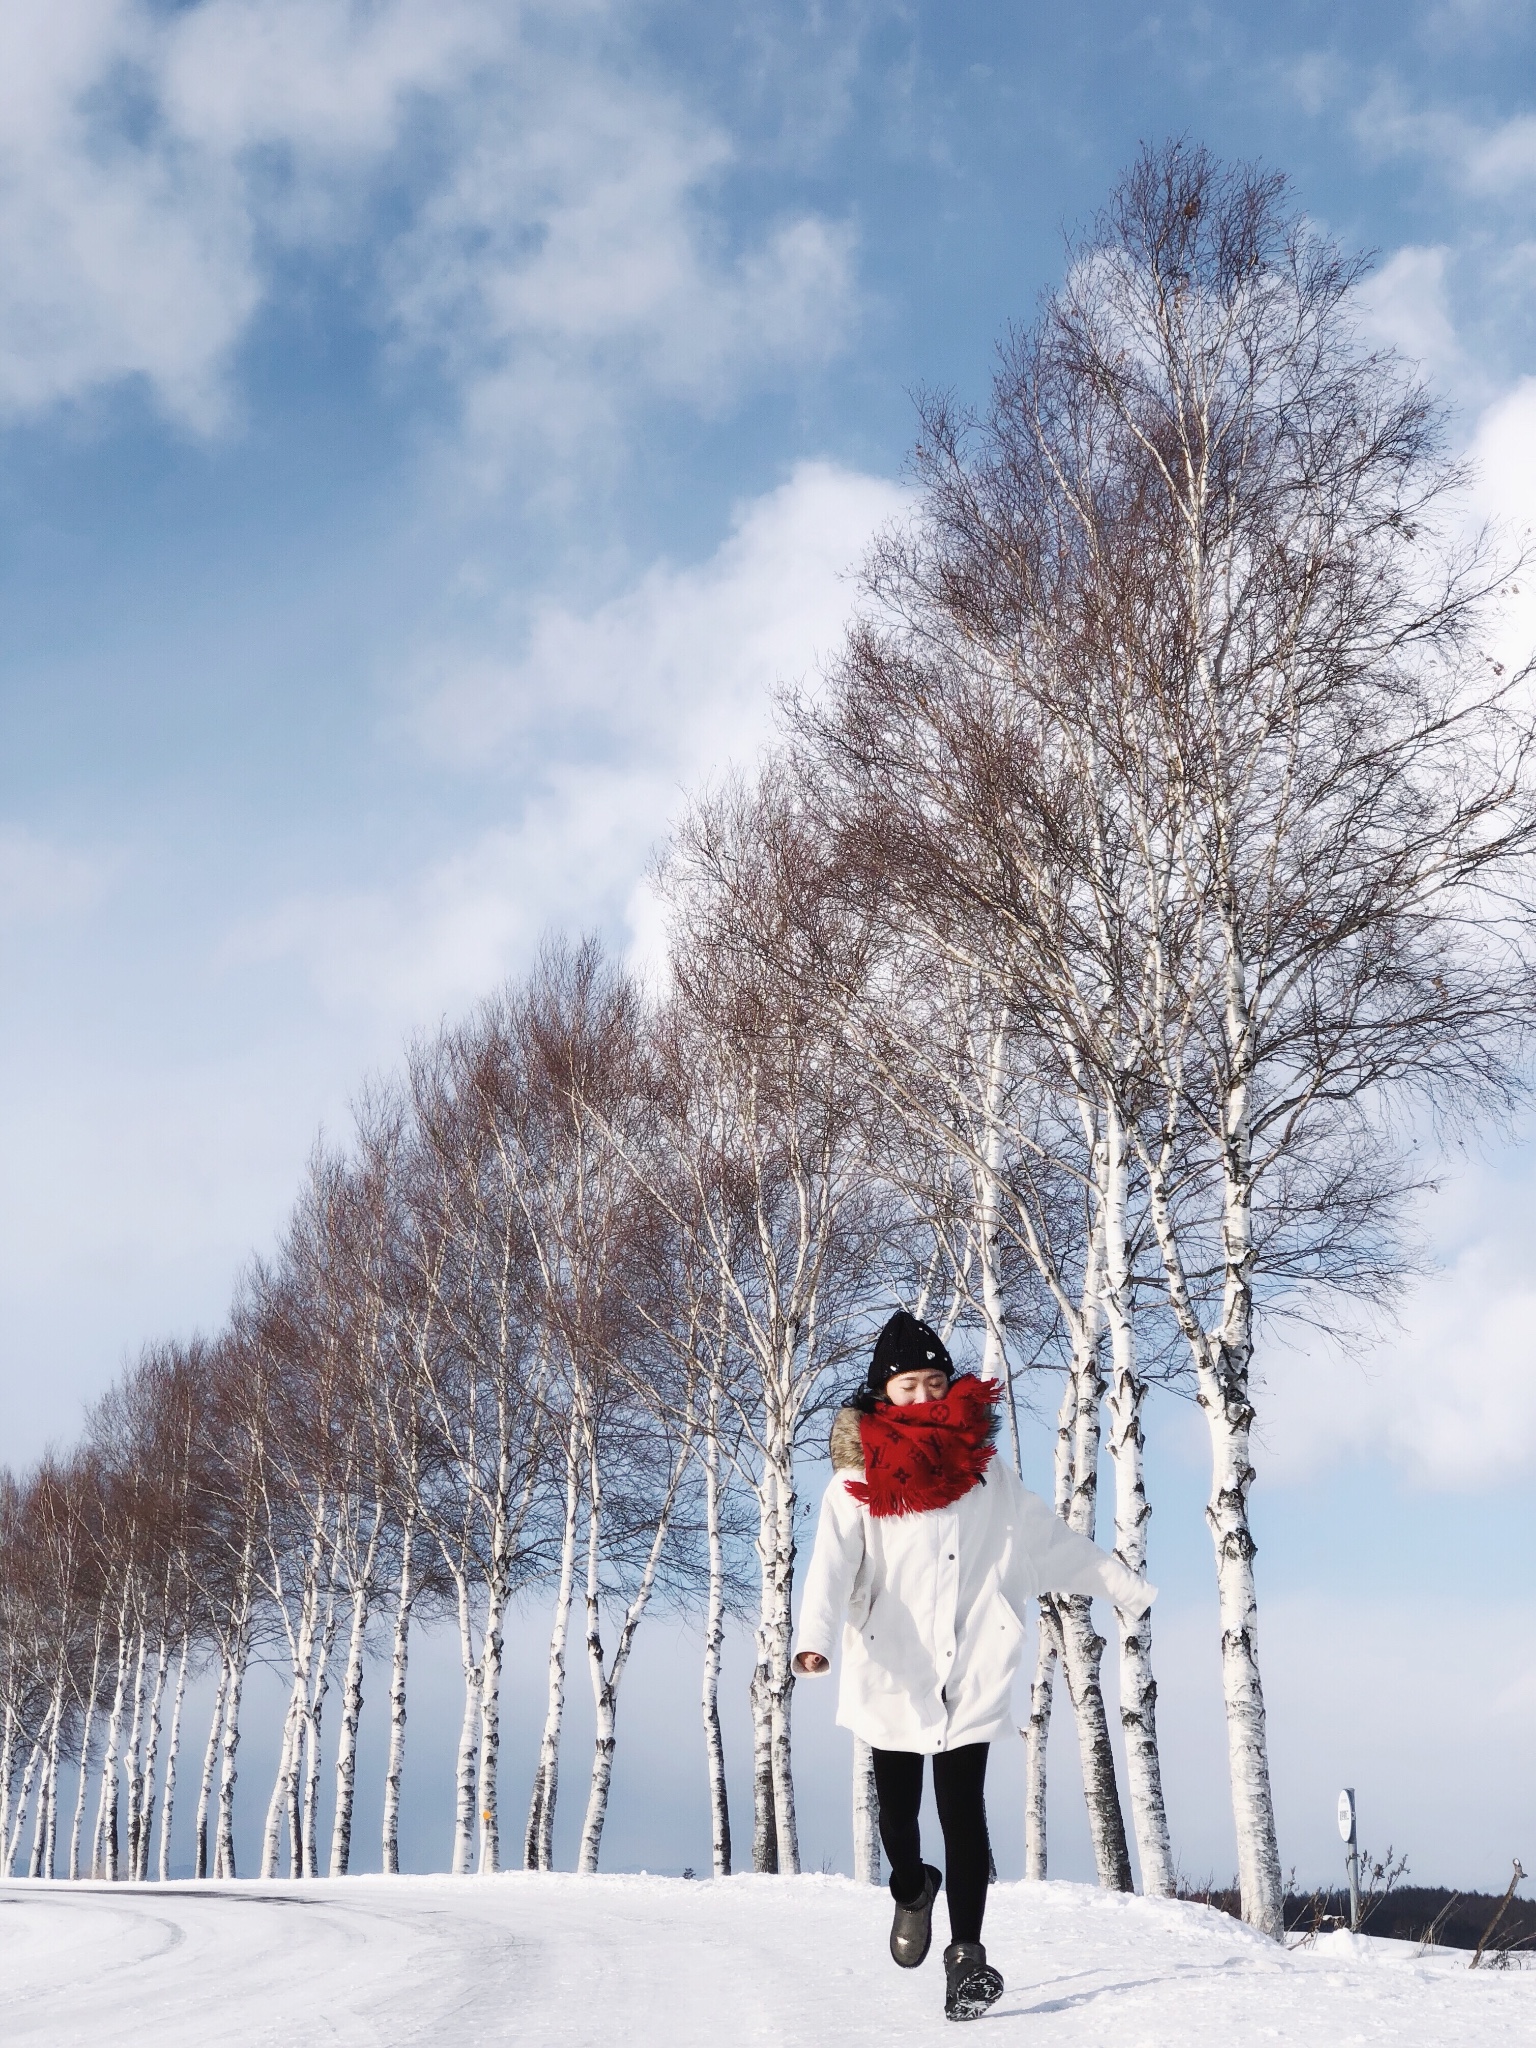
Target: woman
point(928, 1554)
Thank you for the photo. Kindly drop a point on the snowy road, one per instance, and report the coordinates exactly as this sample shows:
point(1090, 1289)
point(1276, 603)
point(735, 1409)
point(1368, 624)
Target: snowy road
point(642, 1961)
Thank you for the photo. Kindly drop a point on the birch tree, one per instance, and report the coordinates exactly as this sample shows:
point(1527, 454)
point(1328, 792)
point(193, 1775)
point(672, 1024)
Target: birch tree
point(764, 1124)
point(913, 760)
point(397, 1303)
point(578, 1030)
point(480, 1363)
point(1354, 774)
point(233, 1458)
point(353, 1226)
point(688, 1371)
point(1202, 541)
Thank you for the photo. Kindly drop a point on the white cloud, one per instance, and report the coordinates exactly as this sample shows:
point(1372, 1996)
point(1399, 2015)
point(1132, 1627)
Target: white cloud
point(117, 259)
point(40, 881)
point(677, 668)
point(147, 156)
point(331, 81)
point(136, 1179)
point(571, 256)
point(445, 937)
point(1495, 160)
point(626, 706)
point(1406, 306)
point(1313, 80)
point(1503, 452)
point(1498, 159)
point(1449, 1397)
point(549, 227)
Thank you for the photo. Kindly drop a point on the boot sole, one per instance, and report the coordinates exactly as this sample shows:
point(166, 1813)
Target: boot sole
point(978, 1994)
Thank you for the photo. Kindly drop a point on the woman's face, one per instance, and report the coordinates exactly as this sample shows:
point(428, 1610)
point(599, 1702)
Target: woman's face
point(907, 1389)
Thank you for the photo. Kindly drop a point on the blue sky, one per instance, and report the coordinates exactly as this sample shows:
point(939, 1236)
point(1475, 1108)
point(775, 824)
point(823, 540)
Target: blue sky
point(431, 428)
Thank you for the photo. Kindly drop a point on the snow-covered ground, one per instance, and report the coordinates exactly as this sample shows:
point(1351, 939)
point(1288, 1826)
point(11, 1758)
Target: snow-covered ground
point(545, 1961)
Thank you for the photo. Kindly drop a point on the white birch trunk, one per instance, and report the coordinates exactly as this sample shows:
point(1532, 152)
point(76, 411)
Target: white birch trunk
point(765, 1835)
point(7, 1771)
point(284, 1799)
point(539, 1840)
point(172, 1757)
point(51, 1841)
point(23, 1802)
point(490, 1726)
point(309, 1810)
point(602, 1704)
point(398, 1667)
point(291, 1806)
point(866, 1816)
point(205, 1783)
point(765, 1825)
point(1037, 1741)
point(134, 1759)
point(779, 1629)
point(994, 1356)
point(40, 1826)
point(352, 1712)
point(1224, 1394)
point(1138, 1687)
point(151, 1764)
point(464, 1776)
point(506, 1517)
point(281, 1798)
point(224, 1859)
point(605, 1684)
point(1222, 1370)
point(1047, 1656)
point(77, 1826)
point(1082, 1662)
point(1082, 1647)
point(313, 1748)
point(714, 1638)
point(104, 1858)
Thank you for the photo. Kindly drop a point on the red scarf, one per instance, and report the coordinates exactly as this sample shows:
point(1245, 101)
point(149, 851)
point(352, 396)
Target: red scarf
point(929, 1454)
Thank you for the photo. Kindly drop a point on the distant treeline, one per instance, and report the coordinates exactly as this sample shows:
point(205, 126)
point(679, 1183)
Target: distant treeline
point(1430, 1914)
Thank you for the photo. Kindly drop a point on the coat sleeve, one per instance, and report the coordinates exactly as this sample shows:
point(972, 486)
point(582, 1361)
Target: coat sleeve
point(1051, 1558)
point(835, 1563)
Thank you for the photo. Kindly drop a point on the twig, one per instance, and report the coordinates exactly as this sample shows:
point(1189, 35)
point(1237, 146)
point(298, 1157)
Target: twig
point(1499, 1915)
point(1436, 1924)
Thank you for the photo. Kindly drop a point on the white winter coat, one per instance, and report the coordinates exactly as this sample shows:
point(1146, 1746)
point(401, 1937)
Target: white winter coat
point(930, 1607)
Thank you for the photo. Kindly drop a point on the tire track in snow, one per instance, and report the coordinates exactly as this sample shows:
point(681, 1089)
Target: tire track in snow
point(555, 1961)
point(230, 1965)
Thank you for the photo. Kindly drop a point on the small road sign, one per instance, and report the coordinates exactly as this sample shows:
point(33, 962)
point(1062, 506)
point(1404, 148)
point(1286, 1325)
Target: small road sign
point(1347, 1816)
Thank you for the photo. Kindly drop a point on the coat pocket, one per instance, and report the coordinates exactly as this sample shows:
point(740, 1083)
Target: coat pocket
point(861, 1600)
point(1011, 1613)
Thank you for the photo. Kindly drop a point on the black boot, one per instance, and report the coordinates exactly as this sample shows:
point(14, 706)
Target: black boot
point(912, 1928)
point(971, 1983)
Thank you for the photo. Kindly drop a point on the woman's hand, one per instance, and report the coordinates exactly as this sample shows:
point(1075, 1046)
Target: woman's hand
point(811, 1664)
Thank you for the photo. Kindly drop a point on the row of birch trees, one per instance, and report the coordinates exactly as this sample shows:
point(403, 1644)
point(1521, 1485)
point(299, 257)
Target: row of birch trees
point(1138, 893)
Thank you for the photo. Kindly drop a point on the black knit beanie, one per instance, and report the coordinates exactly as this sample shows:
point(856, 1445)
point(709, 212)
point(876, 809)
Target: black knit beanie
point(906, 1345)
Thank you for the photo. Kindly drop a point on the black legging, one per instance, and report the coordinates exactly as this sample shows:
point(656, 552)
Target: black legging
point(959, 1791)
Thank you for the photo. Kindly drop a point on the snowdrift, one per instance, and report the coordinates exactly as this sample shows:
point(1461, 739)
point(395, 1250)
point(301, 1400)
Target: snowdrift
point(628, 1962)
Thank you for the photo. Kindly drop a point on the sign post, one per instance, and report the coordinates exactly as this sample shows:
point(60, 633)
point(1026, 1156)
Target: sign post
point(1347, 1833)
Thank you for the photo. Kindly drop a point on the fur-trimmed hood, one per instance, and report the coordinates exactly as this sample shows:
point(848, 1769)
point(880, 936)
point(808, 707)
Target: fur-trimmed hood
point(847, 1444)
